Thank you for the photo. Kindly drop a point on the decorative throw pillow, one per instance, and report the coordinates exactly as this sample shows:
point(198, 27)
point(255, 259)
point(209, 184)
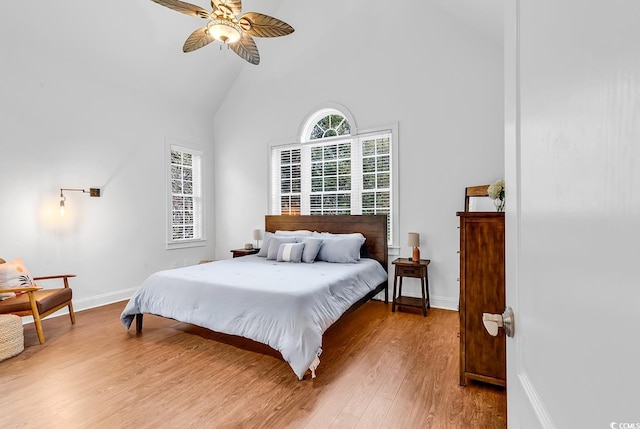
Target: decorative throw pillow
point(14, 274)
point(290, 252)
point(311, 249)
point(274, 245)
point(341, 250)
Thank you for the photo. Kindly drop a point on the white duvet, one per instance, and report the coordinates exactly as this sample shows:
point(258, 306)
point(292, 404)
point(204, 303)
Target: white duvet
point(285, 305)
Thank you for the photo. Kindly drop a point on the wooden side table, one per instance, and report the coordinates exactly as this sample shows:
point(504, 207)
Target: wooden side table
point(244, 252)
point(407, 268)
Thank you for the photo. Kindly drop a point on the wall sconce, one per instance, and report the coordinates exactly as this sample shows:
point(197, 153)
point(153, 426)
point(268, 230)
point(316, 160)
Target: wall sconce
point(414, 241)
point(257, 235)
point(93, 192)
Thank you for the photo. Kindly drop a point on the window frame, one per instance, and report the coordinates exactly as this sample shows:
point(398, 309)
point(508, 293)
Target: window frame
point(199, 200)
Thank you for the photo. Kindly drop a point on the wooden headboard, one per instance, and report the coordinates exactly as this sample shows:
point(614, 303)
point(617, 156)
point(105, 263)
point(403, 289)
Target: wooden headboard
point(373, 227)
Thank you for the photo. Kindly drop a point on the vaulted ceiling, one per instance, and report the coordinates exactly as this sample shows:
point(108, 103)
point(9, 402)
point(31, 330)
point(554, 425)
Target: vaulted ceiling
point(138, 44)
point(486, 16)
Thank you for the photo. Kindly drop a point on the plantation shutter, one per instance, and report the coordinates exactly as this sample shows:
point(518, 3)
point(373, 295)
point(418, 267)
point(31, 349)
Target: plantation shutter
point(186, 194)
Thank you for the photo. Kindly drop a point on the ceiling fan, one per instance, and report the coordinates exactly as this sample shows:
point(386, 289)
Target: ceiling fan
point(227, 27)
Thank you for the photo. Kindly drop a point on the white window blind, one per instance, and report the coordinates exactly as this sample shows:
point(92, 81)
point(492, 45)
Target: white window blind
point(185, 202)
point(290, 181)
point(377, 177)
point(330, 169)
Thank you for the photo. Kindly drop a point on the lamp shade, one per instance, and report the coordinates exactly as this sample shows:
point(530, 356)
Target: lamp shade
point(413, 239)
point(257, 234)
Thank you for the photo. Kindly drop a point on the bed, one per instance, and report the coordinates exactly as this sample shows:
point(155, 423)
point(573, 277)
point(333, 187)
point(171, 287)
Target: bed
point(265, 300)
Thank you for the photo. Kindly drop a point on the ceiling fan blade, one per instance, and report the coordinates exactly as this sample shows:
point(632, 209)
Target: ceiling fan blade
point(186, 8)
point(258, 24)
point(197, 40)
point(234, 5)
point(246, 49)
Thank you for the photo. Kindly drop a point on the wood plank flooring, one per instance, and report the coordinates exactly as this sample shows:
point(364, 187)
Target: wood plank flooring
point(379, 370)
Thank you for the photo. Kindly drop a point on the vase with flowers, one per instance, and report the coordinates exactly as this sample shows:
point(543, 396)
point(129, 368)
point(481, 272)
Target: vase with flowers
point(496, 193)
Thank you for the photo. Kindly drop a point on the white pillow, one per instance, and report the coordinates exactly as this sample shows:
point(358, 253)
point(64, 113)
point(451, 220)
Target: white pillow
point(290, 252)
point(299, 232)
point(331, 235)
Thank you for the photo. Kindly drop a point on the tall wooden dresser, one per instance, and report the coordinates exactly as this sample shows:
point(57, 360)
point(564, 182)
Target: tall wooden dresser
point(482, 290)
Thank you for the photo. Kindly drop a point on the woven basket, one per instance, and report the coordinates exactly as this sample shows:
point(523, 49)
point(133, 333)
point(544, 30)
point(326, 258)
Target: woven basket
point(11, 336)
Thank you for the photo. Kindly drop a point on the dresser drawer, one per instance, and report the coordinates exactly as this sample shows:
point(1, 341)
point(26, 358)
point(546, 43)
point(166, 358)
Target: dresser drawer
point(409, 271)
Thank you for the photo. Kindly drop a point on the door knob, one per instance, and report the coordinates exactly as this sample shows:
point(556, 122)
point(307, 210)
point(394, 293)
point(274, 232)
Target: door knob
point(494, 321)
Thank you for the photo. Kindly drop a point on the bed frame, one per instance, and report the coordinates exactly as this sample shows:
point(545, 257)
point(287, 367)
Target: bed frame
point(373, 227)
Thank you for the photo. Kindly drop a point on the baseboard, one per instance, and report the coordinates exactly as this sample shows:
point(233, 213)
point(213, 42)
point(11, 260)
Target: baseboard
point(442, 302)
point(102, 299)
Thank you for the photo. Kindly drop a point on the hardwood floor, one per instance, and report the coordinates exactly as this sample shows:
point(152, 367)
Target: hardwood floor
point(379, 370)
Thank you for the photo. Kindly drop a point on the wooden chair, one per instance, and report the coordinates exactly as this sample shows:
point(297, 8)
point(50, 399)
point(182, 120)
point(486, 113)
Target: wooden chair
point(474, 191)
point(39, 302)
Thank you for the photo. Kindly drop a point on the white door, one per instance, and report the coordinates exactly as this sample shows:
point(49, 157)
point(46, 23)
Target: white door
point(572, 111)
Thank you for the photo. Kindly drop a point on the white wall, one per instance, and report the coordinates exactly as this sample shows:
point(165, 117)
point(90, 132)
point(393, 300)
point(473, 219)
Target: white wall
point(78, 119)
point(439, 80)
point(87, 102)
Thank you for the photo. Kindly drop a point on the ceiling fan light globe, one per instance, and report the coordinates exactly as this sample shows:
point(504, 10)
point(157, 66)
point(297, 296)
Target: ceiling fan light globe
point(224, 30)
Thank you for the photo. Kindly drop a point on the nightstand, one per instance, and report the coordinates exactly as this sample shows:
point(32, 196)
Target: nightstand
point(244, 252)
point(407, 268)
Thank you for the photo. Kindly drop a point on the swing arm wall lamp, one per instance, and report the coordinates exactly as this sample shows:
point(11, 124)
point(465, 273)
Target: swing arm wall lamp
point(93, 192)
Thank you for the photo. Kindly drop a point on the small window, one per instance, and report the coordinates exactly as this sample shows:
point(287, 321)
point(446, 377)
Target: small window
point(185, 197)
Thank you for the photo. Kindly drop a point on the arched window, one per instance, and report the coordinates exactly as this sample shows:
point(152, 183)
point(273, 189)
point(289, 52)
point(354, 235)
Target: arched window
point(327, 122)
point(334, 170)
point(330, 124)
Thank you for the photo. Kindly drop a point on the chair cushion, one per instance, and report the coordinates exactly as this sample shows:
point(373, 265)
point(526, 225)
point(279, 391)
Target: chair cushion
point(46, 299)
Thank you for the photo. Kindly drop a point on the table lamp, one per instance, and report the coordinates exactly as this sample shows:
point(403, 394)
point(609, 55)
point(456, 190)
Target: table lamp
point(256, 236)
point(414, 241)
